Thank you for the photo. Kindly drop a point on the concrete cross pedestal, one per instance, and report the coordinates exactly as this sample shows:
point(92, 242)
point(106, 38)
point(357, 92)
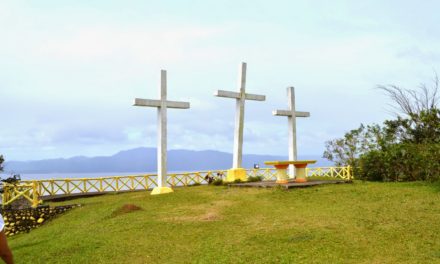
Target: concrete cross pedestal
point(291, 114)
point(162, 104)
point(237, 172)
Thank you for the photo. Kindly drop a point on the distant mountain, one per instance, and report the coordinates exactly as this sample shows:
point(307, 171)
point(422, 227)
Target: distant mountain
point(144, 160)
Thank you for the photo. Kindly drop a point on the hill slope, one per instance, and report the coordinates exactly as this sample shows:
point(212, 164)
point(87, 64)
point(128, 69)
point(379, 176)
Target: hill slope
point(346, 223)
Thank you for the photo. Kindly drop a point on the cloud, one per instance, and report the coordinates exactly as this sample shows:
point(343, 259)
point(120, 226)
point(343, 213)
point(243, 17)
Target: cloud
point(69, 73)
point(162, 45)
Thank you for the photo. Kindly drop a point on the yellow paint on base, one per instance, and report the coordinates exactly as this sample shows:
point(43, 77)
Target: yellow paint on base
point(236, 174)
point(301, 175)
point(161, 190)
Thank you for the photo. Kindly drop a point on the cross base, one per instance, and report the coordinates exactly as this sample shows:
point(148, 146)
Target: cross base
point(236, 174)
point(161, 190)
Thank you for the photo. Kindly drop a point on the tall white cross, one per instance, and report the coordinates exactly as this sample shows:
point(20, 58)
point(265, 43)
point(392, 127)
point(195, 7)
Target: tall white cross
point(162, 104)
point(291, 114)
point(240, 97)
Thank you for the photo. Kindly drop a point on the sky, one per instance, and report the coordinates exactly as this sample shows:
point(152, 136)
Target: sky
point(69, 70)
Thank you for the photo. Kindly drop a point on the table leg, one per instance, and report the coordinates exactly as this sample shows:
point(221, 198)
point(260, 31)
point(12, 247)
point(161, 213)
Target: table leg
point(300, 173)
point(281, 174)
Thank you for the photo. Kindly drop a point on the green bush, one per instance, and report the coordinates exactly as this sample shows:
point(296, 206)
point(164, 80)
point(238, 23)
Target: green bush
point(217, 182)
point(255, 178)
point(401, 162)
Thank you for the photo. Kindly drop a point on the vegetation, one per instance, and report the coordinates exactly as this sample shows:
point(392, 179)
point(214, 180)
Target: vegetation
point(217, 182)
point(254, 178)
point(1, 163)
point(404, 149)
point(342, 223)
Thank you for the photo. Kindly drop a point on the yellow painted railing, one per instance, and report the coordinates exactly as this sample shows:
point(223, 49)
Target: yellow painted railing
point(191, 178)
point(344, 173)
point(34, 190)
point(28, 191)
point(96, 185)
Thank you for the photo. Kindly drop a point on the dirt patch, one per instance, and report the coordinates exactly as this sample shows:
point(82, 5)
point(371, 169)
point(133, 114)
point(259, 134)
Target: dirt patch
point(199, 213)
point(125, 209)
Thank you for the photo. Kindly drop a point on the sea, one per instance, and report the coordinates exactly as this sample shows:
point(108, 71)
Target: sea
point(55, 176)
point(46, 176)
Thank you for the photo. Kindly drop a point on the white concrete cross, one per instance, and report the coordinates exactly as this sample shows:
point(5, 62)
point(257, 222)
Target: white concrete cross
point(240, 97)
point(291, 114)
point(162, 104)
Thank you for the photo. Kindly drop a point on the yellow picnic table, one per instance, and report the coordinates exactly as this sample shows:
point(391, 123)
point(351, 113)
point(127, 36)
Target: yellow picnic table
point(281, 167)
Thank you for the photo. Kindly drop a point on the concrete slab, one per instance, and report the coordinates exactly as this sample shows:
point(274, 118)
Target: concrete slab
point(289, 185)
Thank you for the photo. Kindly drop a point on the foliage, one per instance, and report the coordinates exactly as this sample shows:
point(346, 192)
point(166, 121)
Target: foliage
point(206, 224)
point(1, 163)
point(346, 151)
point(402, 162)
point(402, 149)
point(254, 178)
point(420, 128)
point(217, 182)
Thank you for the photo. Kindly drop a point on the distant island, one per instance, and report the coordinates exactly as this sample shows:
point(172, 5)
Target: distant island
point(144, 159)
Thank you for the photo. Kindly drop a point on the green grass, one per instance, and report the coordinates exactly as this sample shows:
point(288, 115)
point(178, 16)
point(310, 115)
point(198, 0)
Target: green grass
point(343, 223)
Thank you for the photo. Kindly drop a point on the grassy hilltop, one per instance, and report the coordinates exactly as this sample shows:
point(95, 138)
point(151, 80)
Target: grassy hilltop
point(349, 223)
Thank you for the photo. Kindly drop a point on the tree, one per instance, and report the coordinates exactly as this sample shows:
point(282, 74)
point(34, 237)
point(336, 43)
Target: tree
point(346, 151)
point(419, 128)
point(420, 122)
point(403, 149)
point(1, 162)
point(412, 102)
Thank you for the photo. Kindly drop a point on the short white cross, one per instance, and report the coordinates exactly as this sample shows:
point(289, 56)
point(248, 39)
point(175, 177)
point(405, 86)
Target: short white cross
point(241, 96)
point(162, 106)
point(291, 116)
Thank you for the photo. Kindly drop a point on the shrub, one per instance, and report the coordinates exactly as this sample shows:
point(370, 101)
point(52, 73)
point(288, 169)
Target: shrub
point(217, 182)
point(255, 178)
point(401, 162)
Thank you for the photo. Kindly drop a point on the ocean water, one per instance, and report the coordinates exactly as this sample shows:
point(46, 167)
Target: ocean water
point(46, 176)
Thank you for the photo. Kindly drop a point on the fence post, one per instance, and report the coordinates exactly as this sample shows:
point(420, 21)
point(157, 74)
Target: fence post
point(349, 172)
point(85, 185)
point(51, 187)
point(4, 195)
point(68, 186)
point(35, 194)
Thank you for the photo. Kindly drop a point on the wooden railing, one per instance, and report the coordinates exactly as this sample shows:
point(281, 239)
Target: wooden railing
point(34, 190)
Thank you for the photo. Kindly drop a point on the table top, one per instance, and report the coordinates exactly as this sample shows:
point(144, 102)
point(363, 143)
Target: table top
point(287, 162)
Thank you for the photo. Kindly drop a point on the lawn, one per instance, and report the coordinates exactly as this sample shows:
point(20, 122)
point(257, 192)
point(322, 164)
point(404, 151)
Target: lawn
point(361, 222)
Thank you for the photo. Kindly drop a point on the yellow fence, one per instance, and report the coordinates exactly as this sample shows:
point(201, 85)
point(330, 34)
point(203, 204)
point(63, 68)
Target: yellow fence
point(22, 190)
point(344, 173)
point(34, 190)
